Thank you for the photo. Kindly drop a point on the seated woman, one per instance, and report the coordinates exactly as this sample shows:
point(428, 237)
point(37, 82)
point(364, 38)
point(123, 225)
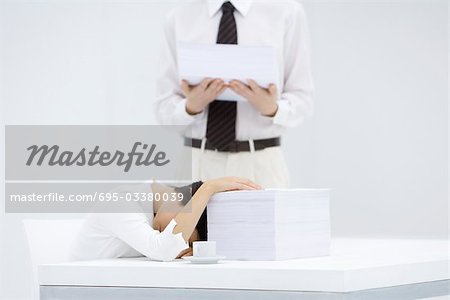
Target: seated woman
point(164, 234)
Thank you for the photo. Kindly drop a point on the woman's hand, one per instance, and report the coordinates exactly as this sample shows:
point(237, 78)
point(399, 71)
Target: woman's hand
point(229, 184)
point(185, 252)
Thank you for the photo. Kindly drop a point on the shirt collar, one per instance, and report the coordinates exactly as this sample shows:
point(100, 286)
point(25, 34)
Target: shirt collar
point(242, 6)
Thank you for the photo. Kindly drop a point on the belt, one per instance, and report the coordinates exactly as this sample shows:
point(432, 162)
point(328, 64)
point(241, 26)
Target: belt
point(236, 146)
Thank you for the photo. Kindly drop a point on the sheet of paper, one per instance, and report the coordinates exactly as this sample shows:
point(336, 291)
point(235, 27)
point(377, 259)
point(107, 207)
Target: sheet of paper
point(198, 61)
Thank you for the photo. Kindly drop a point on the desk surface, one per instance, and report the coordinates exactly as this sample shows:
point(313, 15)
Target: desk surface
point(354, 264)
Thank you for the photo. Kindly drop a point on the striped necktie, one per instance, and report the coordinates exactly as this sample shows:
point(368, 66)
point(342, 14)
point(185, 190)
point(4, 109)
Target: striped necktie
point(221, 126)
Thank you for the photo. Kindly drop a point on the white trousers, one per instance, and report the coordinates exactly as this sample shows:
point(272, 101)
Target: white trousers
point(266, 167)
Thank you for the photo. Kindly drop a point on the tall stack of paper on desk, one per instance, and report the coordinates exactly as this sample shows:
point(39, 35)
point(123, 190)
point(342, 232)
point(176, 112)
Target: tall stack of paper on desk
point(270, 224)
point(227, 62)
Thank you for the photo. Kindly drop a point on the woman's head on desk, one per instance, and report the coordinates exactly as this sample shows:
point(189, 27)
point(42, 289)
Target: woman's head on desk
point(165, 212)
point(175, 225)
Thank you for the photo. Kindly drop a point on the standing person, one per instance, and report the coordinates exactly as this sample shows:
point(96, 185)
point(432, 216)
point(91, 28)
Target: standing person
point(238, 138)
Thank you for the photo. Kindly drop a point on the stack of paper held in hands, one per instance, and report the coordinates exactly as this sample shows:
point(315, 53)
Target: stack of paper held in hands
point(270, 224)
point(227, 62)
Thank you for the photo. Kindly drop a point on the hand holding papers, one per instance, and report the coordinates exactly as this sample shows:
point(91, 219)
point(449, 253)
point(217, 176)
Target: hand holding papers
point(201, 95)
point(264, 100)
point(227, 62)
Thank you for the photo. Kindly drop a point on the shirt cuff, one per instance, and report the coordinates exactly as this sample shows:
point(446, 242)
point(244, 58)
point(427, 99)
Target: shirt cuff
point(180, 110)
point(173, 243)
point(282, 114)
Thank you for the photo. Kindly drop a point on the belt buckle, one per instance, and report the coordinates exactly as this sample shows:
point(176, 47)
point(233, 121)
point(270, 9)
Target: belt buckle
point(233, 147)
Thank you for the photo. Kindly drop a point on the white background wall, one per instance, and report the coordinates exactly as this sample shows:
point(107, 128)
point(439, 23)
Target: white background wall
point(379, 136)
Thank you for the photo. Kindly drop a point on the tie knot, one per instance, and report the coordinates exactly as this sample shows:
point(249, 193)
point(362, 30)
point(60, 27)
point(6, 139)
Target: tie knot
point(228, 7)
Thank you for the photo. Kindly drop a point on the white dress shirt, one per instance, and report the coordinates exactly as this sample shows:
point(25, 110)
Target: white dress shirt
point(114, 235)
point(277, 23)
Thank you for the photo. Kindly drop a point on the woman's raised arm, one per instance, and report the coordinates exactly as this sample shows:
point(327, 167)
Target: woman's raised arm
point(188, 217)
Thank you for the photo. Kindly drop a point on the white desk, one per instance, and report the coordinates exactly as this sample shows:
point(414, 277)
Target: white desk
point(356, 269)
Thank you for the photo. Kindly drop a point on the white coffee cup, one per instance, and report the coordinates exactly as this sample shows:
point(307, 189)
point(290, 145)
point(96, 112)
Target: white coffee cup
point(204, 249)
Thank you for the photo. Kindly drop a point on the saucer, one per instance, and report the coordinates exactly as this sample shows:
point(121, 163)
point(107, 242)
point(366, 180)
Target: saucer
point(203, 260)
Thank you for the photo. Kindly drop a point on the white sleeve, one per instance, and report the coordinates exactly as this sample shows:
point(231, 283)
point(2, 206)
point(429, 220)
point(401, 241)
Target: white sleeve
point(296, 101)
point(170, 101)
point(135, 230)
